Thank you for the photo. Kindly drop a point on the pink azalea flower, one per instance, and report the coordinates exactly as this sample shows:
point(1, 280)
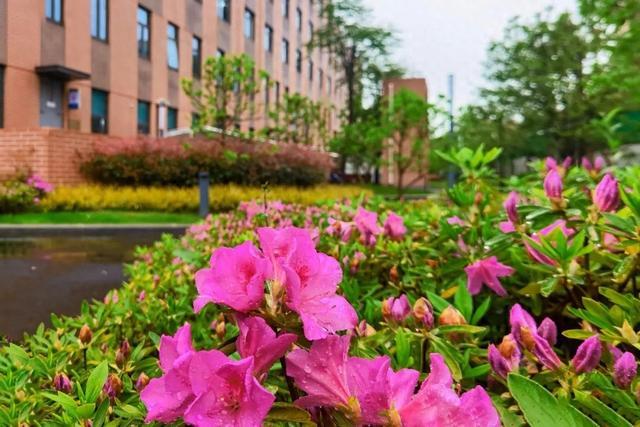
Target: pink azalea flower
point(437, 405)
point(487, 271)
point(396, 309)
point(394, 226)
point(511, 207)
point(535, 254)
point(311, 280)
point(455, 220)
point(199, 231)
point(550, 163)
point(257, 339)
point(321, 372)
point(504, 358)
point(367, 223)
point(506, 227)
point(168, 397)
point(231, 395)
point(236, 279)
point(251, 209)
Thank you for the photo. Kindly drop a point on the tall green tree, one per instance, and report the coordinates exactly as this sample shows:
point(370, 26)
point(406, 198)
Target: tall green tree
point(297, 119)
point(539, 77)
point(225, 95)
point(357, 49)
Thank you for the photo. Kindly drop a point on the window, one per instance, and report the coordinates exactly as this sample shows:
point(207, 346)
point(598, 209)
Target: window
point(310, 30)
point(220, 53)
point(277, 87)
point(1, 96)
point(268, 38)
point(320, 78)
point(285, 51)
point(172, 118)
point(310, 70)
point(99, 19)
point(99, 111)
point(285, 8)
point(249, 24)
point(224, 10)
point(144, 117)
point(144, 33)
point(298, 19)
point(196, 57)
point(328, 84)
point(172, 47)
point(53, 10)
point(298, 60)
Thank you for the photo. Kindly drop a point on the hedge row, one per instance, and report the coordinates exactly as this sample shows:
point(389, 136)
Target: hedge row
point(177, 162)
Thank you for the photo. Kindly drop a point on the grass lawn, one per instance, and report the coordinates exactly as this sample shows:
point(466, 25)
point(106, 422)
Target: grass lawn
point(99, 217)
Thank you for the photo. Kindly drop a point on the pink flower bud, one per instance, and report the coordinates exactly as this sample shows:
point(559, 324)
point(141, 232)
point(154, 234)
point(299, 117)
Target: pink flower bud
point(553, 185)
point(141, 296)
point(588, 355)
point(550, 163)
point(598, 163)
point(625, 370)
point(142, 381)
point(396, 309)
point(62, 383)
point(545, 354)
point(498, 363)
point(586, 164)
point(511, 207)
point(548, 331)
point(566, 163)
point(606, 196)
point(423, 312)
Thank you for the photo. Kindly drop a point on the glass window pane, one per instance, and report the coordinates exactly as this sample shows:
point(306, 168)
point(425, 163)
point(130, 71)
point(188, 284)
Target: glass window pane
point(57, 10)
point(172, 46)
point(103, 19)
point(172, 118)
point(48, 9)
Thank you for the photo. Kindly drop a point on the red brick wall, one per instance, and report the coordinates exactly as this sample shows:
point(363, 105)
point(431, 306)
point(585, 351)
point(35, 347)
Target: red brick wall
point(54, 154)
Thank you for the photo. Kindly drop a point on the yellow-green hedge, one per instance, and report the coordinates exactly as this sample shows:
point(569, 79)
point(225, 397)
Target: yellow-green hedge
point(222, 197)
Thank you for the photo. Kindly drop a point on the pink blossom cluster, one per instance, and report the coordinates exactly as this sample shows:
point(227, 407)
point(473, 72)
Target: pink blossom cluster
point(366, 223)
point(40, 184)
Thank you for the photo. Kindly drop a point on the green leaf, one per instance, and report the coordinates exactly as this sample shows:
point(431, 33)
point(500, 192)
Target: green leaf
point(96, 381)
point(481, 310)
point(607, 415)
point(438, 302)
point(463, 301)
point(540, 408)
point(283, 412)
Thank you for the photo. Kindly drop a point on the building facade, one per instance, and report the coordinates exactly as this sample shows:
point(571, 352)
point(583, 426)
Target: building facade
point(114, 66)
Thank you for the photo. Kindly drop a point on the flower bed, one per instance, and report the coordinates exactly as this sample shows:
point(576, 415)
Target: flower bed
point(455, 311)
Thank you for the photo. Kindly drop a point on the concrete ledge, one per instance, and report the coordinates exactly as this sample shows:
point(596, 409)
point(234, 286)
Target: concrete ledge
point(36, 230)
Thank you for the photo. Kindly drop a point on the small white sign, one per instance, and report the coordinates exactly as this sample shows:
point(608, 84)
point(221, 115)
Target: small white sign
point(51, 104)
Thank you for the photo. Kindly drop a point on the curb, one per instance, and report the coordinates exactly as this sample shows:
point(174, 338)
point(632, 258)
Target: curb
point(38, 230)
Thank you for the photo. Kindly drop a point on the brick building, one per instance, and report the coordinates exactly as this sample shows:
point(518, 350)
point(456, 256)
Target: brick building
point(114, 66)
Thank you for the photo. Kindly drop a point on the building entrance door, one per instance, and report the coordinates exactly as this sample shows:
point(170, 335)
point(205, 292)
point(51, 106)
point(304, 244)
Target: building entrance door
point(51, 91)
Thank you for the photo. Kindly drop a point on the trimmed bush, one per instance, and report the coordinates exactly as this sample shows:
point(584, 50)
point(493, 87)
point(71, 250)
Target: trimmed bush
point(176, 162)
point(222, 197)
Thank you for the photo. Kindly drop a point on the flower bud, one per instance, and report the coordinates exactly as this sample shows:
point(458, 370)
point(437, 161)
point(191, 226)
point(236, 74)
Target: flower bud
point(451, 316)
point(125, 348)
point(548, 331)
point(120, 358)
point(113, 386)
point(511, 207)
point(396, 309)
point(423, 312)
point(566, 163)
point(550, 163)
point(499, 363)
point(625, 370)
point(545, 354)
point(393, 274)
point(364, 329)
point(588, 355)
point(606, 196)
point(141, 296)
point(553, 185)
point(142, 382)
point(85, 334)
point(586, 164)
point(615, 352)
point(598, 164)
point(62, 383)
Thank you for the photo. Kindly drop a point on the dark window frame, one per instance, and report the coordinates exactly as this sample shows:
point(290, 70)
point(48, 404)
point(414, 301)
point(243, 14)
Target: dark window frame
point(144, 128)
point(285, 9)
point(51, 5)
point(298, 60)
point(250, 31)
point(196, 57)
point(268, 38)
point(98, 20)
point(285, 51)
point(223, 10)
point(220, 53)
point(298, 20)
point(310, 70)
point(143, 53)
point(94, 129)
point(171, 110)
point(176, 40)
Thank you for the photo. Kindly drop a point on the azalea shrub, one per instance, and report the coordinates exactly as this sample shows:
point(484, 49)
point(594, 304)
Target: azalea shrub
point(23, 193)
point(494, 303)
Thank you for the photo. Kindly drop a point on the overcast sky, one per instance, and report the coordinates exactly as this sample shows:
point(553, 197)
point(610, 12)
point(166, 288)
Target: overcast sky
point(438, 37)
